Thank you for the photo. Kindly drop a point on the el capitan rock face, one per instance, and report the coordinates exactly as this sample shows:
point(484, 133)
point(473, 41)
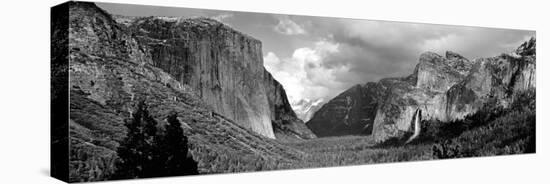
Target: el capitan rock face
point(225, 67)
point(442, 88)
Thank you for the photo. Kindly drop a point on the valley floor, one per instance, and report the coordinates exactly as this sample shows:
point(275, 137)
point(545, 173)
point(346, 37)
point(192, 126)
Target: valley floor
point(355, 150)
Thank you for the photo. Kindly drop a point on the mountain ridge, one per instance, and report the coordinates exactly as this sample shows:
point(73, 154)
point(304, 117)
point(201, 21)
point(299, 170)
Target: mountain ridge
point(443, 87)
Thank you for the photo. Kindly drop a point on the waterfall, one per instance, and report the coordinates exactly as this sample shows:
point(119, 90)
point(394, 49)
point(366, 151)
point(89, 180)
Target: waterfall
point(416, 126)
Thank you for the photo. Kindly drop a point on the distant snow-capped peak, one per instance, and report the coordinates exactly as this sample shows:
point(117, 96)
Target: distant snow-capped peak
point(305, 108)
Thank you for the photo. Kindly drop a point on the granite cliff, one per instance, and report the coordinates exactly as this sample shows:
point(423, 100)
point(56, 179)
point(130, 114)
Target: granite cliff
point(111, 68)
point(441, 87)
point(225, 67)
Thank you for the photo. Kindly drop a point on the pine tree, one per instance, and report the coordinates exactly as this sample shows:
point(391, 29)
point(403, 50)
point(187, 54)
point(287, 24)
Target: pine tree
point(175, 150)
point(150, 149)
point(137, 151)
point(130, 151)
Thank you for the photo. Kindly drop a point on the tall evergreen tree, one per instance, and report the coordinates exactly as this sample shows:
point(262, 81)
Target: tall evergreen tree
point(138, 148)
point(175, 150)
point(150, 150)
point(129, 151)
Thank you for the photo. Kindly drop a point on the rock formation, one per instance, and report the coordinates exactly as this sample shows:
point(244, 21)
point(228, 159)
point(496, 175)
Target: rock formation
point(224, 66)
point(442, 88)
point(111, 70)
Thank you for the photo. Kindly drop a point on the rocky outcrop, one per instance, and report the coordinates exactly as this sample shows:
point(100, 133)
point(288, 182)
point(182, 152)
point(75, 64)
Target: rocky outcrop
point(437, 73)
point(224, 66)
point(442, 88)
point(350, 113)
point(110, 71)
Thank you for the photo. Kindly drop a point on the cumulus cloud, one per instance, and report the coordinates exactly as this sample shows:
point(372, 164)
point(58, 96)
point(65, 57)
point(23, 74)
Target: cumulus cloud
point(303, 75)
point(288, 27)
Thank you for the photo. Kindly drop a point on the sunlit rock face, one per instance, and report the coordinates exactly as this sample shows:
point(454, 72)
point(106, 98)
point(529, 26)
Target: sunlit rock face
point(442, 87)
point(225, 66)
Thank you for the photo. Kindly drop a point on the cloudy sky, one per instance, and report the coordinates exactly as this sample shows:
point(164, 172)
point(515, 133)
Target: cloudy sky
point(318, 57)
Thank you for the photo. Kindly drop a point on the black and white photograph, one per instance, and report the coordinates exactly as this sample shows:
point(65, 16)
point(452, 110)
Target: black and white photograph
point(274, 92)
point(150, 91)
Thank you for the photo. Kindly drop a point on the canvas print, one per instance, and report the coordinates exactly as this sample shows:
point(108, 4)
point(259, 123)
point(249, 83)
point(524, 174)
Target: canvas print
point(147, 91)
